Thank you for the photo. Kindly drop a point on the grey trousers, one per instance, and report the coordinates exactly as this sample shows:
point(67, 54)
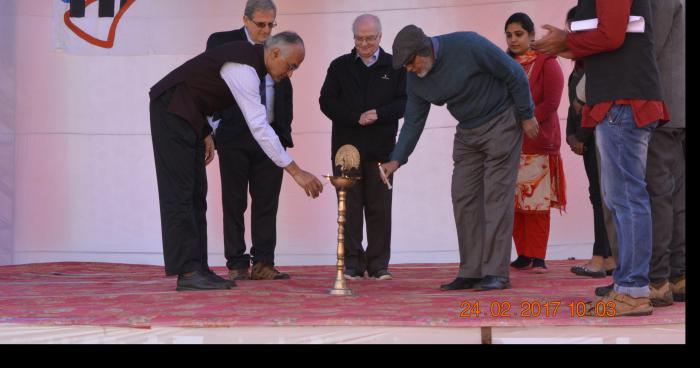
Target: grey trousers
point(483, 194)
point(666, 187)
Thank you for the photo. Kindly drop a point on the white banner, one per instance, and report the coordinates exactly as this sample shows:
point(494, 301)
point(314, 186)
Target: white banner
point(141, 27)
point(90, 34)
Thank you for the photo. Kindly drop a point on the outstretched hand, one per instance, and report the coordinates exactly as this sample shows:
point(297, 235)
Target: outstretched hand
point(553, 43)
point(310, 183)
point(388, 168)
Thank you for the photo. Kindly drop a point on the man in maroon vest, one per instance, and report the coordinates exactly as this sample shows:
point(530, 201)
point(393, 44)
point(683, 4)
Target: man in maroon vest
point(229, 74)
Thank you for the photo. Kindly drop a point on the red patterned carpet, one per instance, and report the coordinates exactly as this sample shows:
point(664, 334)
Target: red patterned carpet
point(106, 294)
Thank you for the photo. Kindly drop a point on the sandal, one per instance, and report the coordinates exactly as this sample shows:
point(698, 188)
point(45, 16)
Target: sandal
point(585, 271)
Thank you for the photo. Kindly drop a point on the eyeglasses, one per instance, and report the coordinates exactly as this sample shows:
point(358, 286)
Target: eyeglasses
point(263, 24)
point(367, 39)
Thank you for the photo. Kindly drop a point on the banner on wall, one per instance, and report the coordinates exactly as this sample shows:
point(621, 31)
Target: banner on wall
point(139, 27)
point(93, 27)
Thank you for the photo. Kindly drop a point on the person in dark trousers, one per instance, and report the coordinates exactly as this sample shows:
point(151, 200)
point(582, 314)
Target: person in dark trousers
point(666, 158)
point(582, 142)
point(182, 142)
point(624, 103)
point(243, 165)
point(365, 98)
point(488, 93)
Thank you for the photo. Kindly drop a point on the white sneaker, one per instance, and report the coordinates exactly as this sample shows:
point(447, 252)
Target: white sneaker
point(353, 277)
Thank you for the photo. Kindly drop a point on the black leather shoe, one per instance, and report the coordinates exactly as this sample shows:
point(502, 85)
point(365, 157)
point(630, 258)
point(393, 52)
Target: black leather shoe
point(199, 281)
point(460, 283)
point(492, 283)
point(522, 263)
point(604, 290)
point(216, 278)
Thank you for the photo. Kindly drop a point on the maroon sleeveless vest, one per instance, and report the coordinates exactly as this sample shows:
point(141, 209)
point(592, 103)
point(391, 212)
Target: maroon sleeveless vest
point(199, 88)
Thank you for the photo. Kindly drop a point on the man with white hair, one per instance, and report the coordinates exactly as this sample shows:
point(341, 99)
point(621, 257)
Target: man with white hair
point(365, 98)
point(182, 142)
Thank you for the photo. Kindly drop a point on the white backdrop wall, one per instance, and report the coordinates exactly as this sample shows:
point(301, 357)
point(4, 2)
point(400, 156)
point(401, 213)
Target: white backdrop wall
point(85, 187)
point(7, 130)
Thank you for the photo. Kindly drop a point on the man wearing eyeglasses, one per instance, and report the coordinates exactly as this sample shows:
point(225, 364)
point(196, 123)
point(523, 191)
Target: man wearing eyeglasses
point(365, 98)
point(244, 166)
point(180, 105)
point(488, 93)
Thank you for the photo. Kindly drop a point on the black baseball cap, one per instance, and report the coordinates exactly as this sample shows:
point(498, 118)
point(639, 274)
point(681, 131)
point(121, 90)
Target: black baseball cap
point(409, 41)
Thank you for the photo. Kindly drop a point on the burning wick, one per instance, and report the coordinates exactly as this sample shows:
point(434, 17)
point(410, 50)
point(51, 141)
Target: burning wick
point(328, 179)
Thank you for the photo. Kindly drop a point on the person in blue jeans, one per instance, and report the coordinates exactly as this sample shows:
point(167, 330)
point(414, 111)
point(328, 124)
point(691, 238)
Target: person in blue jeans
point(624, 104)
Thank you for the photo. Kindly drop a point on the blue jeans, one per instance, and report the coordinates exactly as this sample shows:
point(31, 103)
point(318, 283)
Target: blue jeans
point(623, 160)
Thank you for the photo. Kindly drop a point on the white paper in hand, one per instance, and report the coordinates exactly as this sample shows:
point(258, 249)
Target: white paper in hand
point(635, 25)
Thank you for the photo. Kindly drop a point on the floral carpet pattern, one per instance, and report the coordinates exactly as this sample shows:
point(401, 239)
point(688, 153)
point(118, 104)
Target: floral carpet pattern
point(140, 296)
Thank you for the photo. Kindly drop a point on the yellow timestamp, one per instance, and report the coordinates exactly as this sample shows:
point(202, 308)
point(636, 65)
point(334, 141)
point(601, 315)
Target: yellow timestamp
point(536, 309)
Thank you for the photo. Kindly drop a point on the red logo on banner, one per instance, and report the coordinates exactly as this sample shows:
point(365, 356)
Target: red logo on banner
point(109, 42)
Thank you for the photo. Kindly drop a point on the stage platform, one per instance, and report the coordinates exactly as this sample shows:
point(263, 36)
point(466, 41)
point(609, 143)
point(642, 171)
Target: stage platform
point(111, 303)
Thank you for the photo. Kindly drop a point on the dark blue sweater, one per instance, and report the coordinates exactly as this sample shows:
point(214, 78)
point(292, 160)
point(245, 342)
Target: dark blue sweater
point(476, 80)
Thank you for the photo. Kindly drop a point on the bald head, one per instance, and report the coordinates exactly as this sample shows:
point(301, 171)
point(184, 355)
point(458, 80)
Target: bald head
point(367, 32)
point(285, 41)
point(367, 19)
point(284, 53)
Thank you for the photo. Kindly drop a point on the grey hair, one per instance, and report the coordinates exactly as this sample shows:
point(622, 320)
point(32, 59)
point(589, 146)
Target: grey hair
point(283, 41)
point(251, 6)
point(364, 17)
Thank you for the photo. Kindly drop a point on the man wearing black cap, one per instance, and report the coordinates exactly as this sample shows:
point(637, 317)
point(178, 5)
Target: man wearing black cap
point(489, 95)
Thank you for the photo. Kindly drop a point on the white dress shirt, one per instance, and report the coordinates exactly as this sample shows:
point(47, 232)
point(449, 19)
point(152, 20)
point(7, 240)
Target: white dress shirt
point(269, 87)
point(244, 83)
point(269, 94)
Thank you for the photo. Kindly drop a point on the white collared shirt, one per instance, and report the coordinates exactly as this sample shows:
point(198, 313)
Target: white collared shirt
point(244, 83)
point(372, 59)
point(269, 87)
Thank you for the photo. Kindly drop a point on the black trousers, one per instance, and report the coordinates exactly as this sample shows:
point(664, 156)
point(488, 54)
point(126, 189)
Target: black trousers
point(601, 244)
point(182, 189)
point(666, 187)
point(371, 197)
point(245, 167)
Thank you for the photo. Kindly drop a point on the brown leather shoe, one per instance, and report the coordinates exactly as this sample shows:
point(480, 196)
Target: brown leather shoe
point(264, 271)
point(238, 274)
point(661, 295)
point(678, 288)
point(621, 304)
